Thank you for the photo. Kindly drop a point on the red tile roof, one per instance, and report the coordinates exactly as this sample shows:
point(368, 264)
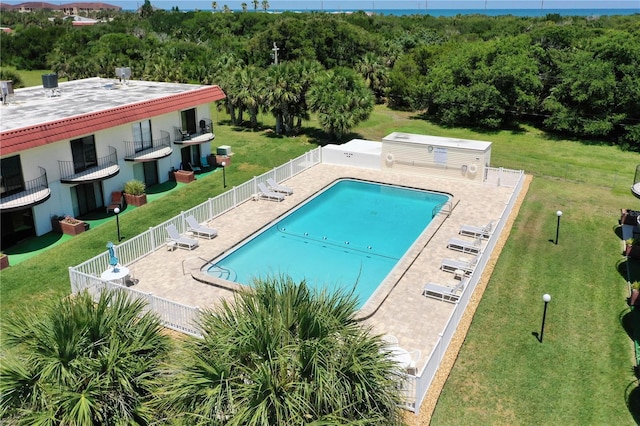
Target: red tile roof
point(17, 140)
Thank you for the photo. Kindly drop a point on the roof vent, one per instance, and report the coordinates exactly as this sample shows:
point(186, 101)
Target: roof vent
point(402, 136)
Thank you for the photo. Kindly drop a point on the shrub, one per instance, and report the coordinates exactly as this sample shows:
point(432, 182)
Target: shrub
point(134, 187)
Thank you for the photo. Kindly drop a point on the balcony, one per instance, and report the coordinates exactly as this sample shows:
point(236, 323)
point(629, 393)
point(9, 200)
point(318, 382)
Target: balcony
point(105, 168)
point(203, 134)
point(139, 152)
point(35, 191)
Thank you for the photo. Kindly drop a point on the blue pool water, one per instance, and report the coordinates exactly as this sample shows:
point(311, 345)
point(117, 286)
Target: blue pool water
point(351, 234)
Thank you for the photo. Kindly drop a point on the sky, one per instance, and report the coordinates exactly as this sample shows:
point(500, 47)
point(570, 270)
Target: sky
point(377, 4)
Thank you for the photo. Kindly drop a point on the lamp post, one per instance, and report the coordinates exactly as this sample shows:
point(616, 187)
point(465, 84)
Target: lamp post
point(559, 214)
point(117, 212)
point(546, 298)
point(224, 174)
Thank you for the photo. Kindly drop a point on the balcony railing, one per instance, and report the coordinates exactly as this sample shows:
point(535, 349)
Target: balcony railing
point(159, 148)
point(204, 133)
point(35, 191)
point(106, 167)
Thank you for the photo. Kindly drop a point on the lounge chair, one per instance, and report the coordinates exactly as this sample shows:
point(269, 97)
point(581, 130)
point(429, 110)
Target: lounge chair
point(268, 194)
point(444, 293)
point(116, 201)
point(275, 186)
point(195, 169)
point(465, 246)
point(452, 265)
point(475, 231)
point(182, 242)
point(200, 230)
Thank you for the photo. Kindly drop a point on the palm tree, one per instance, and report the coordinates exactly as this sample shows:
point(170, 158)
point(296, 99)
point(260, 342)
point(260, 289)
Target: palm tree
point(265, 5)
point(255, 5)
point(244, 6)
point(251, 91)
point(214, 5)
point(341, 99)
point(283, 91)
point(79, 362)
point(280, 354)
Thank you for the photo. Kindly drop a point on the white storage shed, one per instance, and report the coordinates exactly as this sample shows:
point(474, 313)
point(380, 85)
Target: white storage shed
point(436, 156)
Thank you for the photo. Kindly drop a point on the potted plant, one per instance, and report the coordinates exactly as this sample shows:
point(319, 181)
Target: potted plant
point(635, 293)
point(4, 261)
point(72, 226)
point(134, 193)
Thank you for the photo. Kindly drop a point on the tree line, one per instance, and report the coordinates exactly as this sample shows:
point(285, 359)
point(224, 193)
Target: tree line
point(575, 76)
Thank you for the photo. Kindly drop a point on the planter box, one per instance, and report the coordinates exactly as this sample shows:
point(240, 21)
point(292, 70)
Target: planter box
point(135, 200)
point(4, 262)
point(184, 176)
point(221, 158)
point(73, 229)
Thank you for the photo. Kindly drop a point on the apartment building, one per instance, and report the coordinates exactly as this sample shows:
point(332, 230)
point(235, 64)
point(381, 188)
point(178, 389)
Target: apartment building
point(64, 147)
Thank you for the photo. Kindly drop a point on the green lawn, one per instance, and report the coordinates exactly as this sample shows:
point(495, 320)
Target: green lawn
point(581, 374)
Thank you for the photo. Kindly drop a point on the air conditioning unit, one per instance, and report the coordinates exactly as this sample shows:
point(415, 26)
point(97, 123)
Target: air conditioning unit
point(223, 150)
point(49, 81)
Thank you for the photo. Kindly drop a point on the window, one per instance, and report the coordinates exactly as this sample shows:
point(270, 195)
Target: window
point(142, 138)
point(84, 153)
point(11, 180)
point(188, 118)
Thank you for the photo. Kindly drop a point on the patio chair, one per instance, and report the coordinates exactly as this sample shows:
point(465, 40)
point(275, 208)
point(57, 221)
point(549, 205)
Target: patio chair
point(182, 242)
point(205, 163)
point(200, 230)
point(194, 169)
point(453, 265)
point(465, 246)
point(413, 366)
point(116, 201)
point(268, 194)
point(475, 231)
point(444, 293)
point(275, 186)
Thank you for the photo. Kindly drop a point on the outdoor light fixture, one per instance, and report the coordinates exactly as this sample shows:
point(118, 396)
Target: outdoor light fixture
point(224, 174)
point(559, 214)
point(546, 298)
point(117, 212)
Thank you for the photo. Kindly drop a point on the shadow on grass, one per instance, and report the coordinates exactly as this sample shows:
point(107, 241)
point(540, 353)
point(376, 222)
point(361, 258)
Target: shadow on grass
point(633, 400)
point(627, 319)
point(629, 269)
point(34, 244)
point(161, 187)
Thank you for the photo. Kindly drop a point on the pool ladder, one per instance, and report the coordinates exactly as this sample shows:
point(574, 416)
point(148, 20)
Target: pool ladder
point(444, 208)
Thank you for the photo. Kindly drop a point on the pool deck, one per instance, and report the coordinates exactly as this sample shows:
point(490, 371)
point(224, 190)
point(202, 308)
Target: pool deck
point(398, 306)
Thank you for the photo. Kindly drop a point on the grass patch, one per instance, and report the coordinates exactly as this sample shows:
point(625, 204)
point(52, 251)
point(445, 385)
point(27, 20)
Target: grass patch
point(581, 374)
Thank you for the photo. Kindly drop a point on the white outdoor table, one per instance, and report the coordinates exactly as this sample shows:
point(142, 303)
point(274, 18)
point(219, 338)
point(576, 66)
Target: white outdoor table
point(111, 275)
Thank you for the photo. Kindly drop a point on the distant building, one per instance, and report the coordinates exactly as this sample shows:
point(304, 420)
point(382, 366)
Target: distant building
point(83, 8)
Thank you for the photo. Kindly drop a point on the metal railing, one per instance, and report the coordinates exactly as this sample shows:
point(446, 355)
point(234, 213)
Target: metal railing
point(135, 149)
point(30, 188)
point(68, 168)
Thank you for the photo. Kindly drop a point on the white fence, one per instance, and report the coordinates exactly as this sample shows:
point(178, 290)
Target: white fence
point(184, 318)
point(175, 315)
point(424, 379)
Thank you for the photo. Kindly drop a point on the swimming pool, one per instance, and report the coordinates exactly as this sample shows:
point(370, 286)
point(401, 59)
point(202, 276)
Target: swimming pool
point(351, 234)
